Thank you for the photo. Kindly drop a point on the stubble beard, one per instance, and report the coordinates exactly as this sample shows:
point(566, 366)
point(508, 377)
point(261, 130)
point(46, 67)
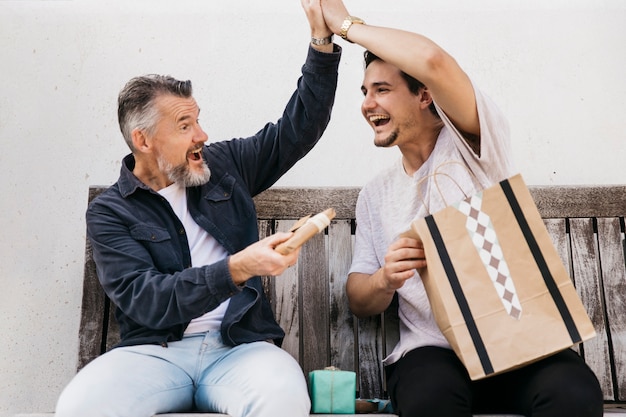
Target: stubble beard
point(388, 141)
point(183, 175)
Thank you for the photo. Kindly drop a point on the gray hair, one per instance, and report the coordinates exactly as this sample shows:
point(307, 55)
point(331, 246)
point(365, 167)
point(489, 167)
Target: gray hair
point(135, 104)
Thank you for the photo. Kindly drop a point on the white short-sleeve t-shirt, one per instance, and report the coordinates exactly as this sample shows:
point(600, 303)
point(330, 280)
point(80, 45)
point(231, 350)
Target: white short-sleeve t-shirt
point(392, 200)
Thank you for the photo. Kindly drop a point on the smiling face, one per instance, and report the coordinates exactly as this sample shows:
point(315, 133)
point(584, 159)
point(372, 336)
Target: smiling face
point(177, 141)
point(389, 107)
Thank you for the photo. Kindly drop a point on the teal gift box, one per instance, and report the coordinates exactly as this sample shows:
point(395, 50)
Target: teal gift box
point(332, 391)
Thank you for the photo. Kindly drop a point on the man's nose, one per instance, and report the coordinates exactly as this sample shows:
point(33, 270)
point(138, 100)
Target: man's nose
point(200, 135)
point(368, 102)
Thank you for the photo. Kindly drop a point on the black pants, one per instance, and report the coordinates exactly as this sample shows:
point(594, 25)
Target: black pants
point(431, 381)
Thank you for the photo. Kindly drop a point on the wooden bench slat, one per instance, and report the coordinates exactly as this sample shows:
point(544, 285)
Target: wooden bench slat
point(370, 349)
point(580, 200)
point(313, 275)
point(613, 261)
point(287, 303)
point(91, 320)
point(557, 229)
point(342, 344)
point(112, 335)
point(294, 203)
point(266, 228)
point(552, 201)
point(585, 263)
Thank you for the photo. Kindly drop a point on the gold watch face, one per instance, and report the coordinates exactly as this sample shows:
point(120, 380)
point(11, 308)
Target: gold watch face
point(349, 20)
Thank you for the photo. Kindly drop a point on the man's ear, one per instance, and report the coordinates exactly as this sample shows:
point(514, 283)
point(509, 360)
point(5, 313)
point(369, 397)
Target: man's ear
point(141, 142)
point(425, 98)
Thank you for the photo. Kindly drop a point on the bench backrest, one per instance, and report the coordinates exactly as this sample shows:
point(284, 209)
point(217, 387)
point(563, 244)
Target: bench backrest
point(586, 224)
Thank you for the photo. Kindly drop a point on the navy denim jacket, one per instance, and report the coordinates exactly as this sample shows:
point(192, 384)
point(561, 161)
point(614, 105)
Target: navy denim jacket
point(140, 247)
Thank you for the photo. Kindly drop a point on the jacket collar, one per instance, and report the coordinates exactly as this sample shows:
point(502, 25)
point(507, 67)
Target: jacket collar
point(128, 182)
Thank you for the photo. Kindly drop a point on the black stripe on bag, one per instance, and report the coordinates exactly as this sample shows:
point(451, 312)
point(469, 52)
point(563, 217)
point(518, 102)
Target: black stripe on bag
point(458, 294)
point(541, 262)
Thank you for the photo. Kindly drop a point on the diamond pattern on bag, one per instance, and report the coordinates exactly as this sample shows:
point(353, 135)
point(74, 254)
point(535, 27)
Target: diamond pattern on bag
point(485, 240)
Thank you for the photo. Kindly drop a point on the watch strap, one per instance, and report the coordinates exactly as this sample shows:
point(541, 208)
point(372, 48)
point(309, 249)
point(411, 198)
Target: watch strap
point(347, 24)
point(322, 41)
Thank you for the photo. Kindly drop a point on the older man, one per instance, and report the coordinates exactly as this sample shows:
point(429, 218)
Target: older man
point(175, 242)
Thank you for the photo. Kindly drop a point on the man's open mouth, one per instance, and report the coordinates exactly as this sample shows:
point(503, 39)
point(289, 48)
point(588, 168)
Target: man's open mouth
point(195, 155)
point(379, 119)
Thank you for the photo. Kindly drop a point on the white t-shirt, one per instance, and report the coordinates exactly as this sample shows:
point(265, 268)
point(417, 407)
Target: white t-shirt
point(204, 249)
point(392, 200)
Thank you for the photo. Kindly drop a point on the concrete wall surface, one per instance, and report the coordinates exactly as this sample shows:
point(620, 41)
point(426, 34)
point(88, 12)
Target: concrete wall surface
point(555, 67)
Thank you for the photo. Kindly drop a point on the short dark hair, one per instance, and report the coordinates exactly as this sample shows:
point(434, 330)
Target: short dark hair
point(414, 84)
point(135, 103)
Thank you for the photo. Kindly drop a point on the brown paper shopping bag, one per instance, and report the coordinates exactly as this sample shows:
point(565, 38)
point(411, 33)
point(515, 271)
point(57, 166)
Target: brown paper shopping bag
point(497, 287)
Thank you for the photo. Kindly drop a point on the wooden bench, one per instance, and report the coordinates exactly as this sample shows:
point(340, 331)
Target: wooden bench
point(587, 226)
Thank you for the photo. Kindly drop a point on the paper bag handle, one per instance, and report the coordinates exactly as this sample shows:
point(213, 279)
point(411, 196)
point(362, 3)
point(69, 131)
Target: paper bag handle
point(434, 175)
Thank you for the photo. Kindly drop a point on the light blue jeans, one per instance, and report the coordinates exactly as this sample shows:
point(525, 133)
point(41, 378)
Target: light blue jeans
point(255, 379)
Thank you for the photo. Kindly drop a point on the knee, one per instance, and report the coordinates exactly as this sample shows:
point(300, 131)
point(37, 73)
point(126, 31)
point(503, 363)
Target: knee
point(571, 389)
point(430, 381)
point(433, 400)
point(579, 397)
point(268, 373)
point(291, 387)
point(295, 396)
point(71, 405)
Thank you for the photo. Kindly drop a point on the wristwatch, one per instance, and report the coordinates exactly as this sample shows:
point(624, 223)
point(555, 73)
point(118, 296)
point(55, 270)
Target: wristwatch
point(347, 23)
point(322, 41)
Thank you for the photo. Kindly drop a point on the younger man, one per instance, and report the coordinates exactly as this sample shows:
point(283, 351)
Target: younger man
point(439, 119)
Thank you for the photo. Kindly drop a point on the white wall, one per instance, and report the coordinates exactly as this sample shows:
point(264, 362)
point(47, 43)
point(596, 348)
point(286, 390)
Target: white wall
point(555, 67)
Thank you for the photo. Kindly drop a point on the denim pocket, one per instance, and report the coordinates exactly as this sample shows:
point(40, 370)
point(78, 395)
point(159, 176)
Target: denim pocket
point(165, 252)
point(229, 201)
point(149, 233)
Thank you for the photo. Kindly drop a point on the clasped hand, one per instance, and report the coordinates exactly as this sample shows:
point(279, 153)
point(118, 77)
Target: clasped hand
point(260, 259)
point(403, 257)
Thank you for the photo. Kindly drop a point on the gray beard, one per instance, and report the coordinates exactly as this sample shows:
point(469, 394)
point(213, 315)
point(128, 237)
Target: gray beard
point(182, 175)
